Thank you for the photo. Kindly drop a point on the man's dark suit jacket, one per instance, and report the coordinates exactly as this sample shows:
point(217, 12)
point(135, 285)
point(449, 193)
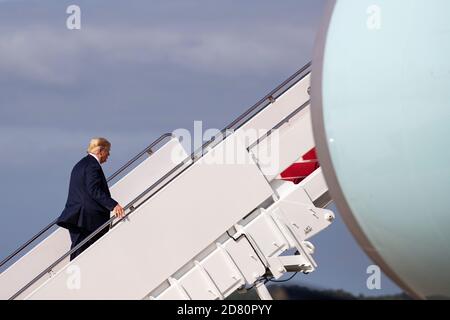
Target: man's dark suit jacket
point(89, 201)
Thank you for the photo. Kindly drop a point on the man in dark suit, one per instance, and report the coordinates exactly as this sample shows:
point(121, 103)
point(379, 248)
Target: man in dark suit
point(89, 202)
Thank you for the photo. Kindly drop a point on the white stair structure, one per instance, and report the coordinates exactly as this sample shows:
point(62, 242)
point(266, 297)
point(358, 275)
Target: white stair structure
point(199, 226)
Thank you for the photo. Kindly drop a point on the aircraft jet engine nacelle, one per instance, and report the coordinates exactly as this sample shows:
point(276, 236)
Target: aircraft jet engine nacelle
point(381, 119)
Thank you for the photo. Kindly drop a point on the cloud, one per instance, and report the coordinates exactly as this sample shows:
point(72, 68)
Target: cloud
point(59, 56)
point(37, 54)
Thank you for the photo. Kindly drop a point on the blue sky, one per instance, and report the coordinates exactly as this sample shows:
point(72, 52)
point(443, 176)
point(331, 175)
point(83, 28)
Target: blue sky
point(135, 70)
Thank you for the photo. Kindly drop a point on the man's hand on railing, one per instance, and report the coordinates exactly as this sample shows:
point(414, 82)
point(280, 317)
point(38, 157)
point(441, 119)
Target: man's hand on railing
point(118, 211)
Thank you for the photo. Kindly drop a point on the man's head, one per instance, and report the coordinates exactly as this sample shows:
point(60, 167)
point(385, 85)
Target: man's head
point(100, 147)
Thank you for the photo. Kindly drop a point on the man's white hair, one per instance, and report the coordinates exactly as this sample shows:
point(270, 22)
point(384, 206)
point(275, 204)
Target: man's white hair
point(98, 144)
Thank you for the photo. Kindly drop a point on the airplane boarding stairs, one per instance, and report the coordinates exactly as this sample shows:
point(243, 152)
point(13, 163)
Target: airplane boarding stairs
point(199, 226)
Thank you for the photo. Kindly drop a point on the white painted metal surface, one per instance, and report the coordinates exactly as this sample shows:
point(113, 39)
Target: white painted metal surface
point(282, 148)
point(261, 240)
point(148, 171)
point(280, 109)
